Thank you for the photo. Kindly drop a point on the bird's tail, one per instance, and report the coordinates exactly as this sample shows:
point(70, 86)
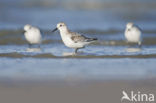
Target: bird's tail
point(91, 39)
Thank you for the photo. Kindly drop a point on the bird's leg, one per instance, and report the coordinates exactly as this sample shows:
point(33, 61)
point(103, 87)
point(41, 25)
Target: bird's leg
point(139, 43)
point(76, 50)
point(39, 46)
point(30, 45)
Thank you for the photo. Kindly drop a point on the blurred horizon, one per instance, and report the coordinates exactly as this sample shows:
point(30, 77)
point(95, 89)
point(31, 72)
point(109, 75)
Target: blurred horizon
point(16, 13)
point(83, 4)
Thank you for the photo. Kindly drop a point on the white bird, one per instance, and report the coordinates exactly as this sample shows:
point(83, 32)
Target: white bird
point(32, 35)
point(133, 33)
point(72, 39)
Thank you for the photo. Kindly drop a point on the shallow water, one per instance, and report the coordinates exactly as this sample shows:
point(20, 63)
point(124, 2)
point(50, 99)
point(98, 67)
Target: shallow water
point(105, 59)
point(76, 69)
point(111, 57)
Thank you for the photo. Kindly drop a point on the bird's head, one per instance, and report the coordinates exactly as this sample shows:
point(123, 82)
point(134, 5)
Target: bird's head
point(129, 25)
point(27, 27)
point(60, 26)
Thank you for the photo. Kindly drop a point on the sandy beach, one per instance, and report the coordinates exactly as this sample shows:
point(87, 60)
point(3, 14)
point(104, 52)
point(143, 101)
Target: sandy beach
point(72, 91)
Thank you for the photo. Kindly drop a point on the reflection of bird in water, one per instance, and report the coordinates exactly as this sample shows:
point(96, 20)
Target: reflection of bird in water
point(72, 39)
point(68, 54)
point(32, 35)
point(133, 34)
point(79, 54)
point(125, 96)
point(72, 53)
point(133, 49)
point(33, 49)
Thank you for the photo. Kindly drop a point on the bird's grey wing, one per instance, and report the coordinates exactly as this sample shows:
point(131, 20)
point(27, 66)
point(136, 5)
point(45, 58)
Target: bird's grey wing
point(78, 38)
point(137, 27)
point(81, 38)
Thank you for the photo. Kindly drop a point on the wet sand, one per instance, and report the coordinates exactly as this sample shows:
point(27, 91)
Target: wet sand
point(72, 91)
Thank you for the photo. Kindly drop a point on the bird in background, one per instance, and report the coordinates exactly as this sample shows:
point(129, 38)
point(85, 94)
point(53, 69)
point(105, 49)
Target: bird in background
point(133, 33)
point(73, 39)
point(32, 35)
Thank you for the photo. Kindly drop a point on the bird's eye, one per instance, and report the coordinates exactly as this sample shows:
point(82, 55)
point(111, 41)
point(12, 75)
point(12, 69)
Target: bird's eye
point(60, 25)
point(129, 29)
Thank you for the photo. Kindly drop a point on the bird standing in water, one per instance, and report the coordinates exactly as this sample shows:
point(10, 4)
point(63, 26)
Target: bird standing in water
point(32, 35)
point(133, 33)
point(73, 39)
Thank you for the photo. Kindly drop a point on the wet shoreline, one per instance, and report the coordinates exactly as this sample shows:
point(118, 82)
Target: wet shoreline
point(72, 56)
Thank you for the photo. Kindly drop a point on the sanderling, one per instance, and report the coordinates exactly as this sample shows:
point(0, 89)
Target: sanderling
point(72, 39)
point(32, 35)
point(133, 33)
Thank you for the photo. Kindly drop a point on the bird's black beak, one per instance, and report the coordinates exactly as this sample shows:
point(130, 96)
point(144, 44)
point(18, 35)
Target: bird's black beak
point(54, 30)
point(23, 31)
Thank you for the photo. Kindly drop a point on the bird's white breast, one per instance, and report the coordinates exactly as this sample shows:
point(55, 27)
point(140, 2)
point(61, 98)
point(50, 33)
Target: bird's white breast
point(133, 35)
point(66, 38)
point(33, 36)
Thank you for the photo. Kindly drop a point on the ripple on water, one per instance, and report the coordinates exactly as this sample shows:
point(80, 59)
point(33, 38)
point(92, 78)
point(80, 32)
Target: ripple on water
point(92, 51)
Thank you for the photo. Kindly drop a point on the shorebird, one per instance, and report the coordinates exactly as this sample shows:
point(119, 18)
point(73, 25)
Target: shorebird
point(133, 33)
point(73, 39)
point(32, 35)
